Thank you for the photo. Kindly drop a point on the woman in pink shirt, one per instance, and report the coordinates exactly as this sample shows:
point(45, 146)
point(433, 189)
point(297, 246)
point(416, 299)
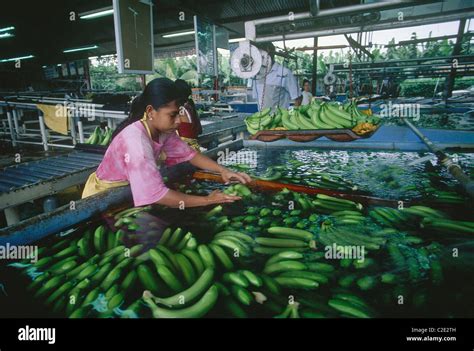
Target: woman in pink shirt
point(145, 137)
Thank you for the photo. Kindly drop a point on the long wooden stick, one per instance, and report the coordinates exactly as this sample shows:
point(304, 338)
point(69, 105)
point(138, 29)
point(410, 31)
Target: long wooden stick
point(275, 186)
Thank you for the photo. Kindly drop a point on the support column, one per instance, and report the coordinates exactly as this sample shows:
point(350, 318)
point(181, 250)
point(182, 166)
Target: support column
point(44, 136)
point(314, 75)
point(449, 82)
point(10, 126)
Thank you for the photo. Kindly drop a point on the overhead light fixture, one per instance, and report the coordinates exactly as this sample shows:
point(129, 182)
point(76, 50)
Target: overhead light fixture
point(17, 58)
point(6, 35)
point(236, 40)
point(6, 29)
point(180, 34)
point(45, 66)
point(81, 49)
point(106, 11)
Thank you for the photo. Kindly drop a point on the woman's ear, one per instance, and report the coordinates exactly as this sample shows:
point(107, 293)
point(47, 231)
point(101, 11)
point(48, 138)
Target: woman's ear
point(149, 109)
point(150, 112)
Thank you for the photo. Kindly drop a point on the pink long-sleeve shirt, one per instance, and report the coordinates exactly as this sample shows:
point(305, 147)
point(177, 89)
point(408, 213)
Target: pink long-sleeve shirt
point(132, 156)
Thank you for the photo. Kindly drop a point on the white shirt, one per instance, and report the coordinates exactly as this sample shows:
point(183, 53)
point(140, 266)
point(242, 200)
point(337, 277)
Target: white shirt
point(307, 96)
point(280, 89)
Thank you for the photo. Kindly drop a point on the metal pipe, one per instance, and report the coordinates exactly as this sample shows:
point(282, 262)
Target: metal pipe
point(41, 143)
point(347, 30)
point(335, 11)
point(453, 168)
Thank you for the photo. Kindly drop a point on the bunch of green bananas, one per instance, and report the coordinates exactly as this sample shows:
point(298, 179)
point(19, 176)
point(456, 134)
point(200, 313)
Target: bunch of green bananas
point(100, 138)
point(317, 115)
point(351, 107)
point(259, 121)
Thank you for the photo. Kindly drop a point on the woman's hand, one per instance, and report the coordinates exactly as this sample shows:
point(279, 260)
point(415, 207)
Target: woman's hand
point(218, 197)
point(242, 177)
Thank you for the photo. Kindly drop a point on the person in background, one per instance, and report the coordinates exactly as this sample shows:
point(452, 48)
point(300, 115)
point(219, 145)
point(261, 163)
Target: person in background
point(278, 87)
point(137, 143)
point(306, 93)
point(190, 126)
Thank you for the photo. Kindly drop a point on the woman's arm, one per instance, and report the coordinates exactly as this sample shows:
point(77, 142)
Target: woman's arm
point(176, 199)
point(204, 162)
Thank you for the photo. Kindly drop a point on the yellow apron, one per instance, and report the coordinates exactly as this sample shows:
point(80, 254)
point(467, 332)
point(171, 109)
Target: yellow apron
point(94, 185)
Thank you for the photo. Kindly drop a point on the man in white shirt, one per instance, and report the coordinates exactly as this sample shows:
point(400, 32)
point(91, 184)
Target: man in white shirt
point(278, 87)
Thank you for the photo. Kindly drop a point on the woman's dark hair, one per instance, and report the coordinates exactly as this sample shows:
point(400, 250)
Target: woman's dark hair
point(159, 92)
point(183, 88)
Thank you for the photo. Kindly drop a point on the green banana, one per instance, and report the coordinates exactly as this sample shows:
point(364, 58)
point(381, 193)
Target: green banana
point(280, 242)
point(283, 266)
point(169, 278)
point(242, 295)
point(63, 289)
point(291, 233)
point(182, 244)
point(84, 245)
point(167, 252)
point(265, 250)
point(199, 309)
point(287, 122)
point(129, 281)
point(349, 308)
point(148, 278)
point(100, 239)
point(236, 278)
point(206, 256)
point(195, 259)
point(317, 277)
point(49, 285)
point(175, 238)
point(111, 278)
point(234, 244)
point(296, 283)
point(284, 255)
point(165, 236)
point(232, 233)
point(270, 284)
point(222, 256)
point(254, 279)
point(116, 301)
point(187, 269)
point(94, 137)
point(87, 271)
point(189, 295)
point(159, 258)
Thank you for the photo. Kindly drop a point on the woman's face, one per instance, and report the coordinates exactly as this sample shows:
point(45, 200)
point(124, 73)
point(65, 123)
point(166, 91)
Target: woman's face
point(306, 86)
point(166, 118)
